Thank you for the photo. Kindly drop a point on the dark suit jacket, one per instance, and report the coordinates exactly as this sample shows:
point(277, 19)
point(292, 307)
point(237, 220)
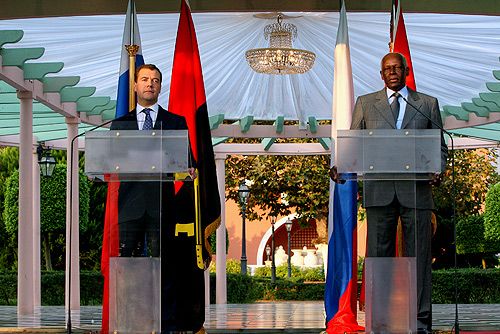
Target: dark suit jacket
point(139, 198)
point(372, 111)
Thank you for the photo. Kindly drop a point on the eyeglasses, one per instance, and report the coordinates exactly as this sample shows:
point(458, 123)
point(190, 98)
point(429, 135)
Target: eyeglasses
point(390, 69)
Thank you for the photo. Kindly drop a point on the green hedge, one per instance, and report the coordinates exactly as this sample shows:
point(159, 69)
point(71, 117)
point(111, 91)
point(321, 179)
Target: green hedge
point(481, 286)
point(52, 285)
point(476, 286)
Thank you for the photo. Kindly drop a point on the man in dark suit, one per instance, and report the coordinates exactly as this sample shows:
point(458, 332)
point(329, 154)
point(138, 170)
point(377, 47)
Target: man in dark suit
point(148, 210)
point(139, 202)
point(388, 201)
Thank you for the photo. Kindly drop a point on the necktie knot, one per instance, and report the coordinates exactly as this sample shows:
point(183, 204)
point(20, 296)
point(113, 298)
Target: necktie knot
point(395, 105)
point(148, 121)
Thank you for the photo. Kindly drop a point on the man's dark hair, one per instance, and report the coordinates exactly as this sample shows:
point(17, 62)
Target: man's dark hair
point(151, 67)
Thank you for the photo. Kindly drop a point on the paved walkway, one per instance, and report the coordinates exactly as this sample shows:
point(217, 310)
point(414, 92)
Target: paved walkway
point(270, 317)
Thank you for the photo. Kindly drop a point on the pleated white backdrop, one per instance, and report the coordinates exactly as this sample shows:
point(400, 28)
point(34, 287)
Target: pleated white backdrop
point(453, 56)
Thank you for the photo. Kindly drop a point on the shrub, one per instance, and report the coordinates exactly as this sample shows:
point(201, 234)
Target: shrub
point(492, 216)
point(306, 274)
point(470, 234)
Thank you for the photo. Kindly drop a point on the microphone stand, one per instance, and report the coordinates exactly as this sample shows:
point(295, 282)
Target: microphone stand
point(68, 324)
point(453, 204)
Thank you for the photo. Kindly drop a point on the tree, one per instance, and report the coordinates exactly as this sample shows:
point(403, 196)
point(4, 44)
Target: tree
point(474, 174)
point(281, 183)
point(52, 211)
point(9, 161)
point(492, 214)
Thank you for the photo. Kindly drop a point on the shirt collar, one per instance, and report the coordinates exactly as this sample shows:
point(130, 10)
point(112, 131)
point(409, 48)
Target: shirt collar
point(403, 91)
point(154, 107)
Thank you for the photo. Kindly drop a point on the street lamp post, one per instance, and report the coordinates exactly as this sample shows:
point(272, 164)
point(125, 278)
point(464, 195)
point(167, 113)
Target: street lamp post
point(243, 192)
point(273, 249)
point(45, 160)
point(288, 225)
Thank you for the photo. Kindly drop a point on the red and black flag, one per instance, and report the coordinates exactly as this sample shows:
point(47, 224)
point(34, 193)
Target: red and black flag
point(187, 99)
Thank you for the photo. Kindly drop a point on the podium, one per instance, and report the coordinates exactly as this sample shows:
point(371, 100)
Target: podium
point(139, 167)
point(391, 164)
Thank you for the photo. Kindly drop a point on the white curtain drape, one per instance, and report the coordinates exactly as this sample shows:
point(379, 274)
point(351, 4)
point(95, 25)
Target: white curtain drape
point(453, 56)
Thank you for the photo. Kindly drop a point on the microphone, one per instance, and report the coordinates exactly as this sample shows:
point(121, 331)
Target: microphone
point(453, 193)
point(437, 125)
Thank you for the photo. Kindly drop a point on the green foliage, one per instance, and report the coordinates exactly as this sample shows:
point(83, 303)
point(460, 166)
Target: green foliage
point(492, 214)
point(475, 286)
point(248, 289)
point(212, 239)
point(8, 287)
point(9, 160)
point(10, 212)
point(471, 236)
point(91, 236)
point(52, 287)
point(52, 201)
point(52, 209)
point(91, 285)
point(280, 183)
point(298, 274)
point(474, 174)
point(232, 266)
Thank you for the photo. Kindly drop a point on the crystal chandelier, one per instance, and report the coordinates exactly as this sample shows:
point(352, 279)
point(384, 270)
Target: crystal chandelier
point(280, 57)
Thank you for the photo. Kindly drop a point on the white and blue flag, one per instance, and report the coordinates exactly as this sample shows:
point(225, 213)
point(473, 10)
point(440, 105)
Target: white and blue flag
point(130, 36)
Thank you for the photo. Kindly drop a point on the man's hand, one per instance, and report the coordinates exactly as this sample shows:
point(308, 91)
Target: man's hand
point(192, 173)
point(436, 179)
point(335, 176)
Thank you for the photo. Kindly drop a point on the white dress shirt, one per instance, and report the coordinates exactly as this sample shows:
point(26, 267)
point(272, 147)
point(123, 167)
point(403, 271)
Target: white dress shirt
point(141, 117)
point(402, 103)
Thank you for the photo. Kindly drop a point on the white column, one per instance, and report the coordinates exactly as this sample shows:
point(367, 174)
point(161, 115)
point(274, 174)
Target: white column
point(25, 303)
point(498, 160)
point(36, 231)
point(220, 257)
point(72, 219)
point(207, 287)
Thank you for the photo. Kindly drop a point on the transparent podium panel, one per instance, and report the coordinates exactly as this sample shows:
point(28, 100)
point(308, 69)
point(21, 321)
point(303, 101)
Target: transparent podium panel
point(375, 153)
point(395, 168)
point(134, 295)
point(136, 155)
point(391, 295)
point(140, 167)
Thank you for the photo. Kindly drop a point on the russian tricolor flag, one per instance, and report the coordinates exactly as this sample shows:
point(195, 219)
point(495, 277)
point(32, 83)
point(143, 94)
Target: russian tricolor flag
point(110, 234)
point(341, 279)
point(131, 36)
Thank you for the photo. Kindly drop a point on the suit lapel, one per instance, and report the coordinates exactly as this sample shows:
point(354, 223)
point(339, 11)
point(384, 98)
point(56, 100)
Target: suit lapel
point(410, 111)
point(383, 108)
point(160, 118)
point(130, 121)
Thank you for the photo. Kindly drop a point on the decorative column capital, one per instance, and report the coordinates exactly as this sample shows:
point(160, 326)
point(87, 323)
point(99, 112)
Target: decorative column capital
point(24, 94)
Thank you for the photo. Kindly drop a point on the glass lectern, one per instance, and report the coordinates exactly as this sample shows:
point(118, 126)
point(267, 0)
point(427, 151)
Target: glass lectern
point(140, 167)
point(395, 167)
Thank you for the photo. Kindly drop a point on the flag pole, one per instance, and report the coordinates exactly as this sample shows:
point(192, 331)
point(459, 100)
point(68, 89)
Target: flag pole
point(393, 26)
point(132, 50)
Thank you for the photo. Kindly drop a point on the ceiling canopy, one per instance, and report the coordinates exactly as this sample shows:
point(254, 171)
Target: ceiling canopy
point(455, 58)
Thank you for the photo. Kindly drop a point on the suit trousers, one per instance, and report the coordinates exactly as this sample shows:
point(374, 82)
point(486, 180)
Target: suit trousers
point(417, 234)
